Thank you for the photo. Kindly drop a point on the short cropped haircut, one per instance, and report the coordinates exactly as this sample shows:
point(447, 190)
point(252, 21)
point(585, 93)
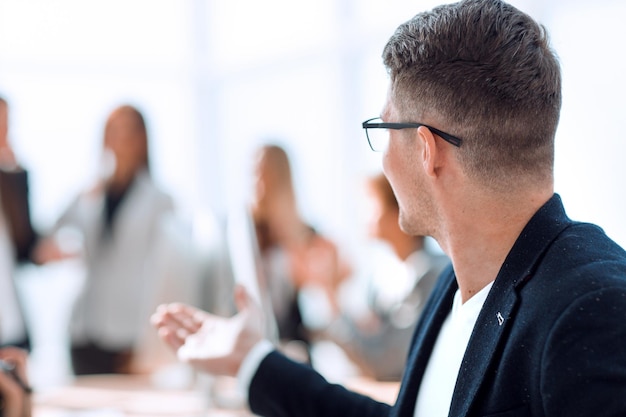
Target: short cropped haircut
point(486, 72)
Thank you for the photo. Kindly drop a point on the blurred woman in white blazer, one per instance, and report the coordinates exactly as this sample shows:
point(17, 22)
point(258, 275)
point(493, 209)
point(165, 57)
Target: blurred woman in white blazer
point(123, 226)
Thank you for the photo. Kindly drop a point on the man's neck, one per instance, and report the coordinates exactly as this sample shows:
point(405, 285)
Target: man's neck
point(479, 239)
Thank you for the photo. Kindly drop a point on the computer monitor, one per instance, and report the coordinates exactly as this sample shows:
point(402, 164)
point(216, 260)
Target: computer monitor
point(247, 266)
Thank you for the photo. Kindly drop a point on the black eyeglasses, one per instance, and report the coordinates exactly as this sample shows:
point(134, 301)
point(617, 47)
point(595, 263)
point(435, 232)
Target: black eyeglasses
point(378, 136)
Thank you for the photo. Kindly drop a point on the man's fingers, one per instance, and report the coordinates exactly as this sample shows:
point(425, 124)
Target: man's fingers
point(178, 316)
point(249, 306)
point(173, 324)
point(171, 337)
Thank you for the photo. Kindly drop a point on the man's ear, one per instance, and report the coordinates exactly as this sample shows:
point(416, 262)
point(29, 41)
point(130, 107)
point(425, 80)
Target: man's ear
point(430, 153)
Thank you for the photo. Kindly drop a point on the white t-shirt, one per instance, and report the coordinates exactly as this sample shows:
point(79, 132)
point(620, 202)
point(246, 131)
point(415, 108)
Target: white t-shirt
point(435, 394)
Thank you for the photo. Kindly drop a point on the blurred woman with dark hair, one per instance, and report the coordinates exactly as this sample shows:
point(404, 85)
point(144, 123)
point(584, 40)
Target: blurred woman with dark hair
point(294, 254)
point(120, 221)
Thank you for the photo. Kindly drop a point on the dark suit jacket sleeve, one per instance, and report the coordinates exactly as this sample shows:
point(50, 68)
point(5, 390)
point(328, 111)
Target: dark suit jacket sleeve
point(283, 388)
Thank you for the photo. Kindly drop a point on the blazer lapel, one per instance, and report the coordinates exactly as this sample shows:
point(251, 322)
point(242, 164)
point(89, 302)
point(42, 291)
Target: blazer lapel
point(498, 312)
point(495, 317)
point(422, 346)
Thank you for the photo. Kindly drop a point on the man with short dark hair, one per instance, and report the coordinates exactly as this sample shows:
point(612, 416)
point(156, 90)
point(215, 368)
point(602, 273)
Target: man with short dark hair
point(530, 320)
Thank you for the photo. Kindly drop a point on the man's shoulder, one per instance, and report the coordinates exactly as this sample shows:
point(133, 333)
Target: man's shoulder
point(586, 256)
point(587, 242)
point(555, 245)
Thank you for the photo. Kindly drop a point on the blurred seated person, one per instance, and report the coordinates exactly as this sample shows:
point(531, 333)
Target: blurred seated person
point(17, 237)
point(378, 341)
point(121, 224)
point(294, 255)
point(15, 400)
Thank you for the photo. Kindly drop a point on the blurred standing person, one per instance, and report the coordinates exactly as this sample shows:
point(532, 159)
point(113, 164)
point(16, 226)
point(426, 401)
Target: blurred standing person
point(121, 221)
point(294, 254)
point(17, 237)
point(378, 340)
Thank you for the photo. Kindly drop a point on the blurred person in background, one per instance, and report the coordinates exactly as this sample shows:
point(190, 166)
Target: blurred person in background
point(15, 399)
point(17, 237)
point(123, 224)
point(294, 255)
point(398, 286)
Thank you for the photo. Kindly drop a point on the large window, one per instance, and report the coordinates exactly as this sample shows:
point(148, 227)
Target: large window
point(217, 78)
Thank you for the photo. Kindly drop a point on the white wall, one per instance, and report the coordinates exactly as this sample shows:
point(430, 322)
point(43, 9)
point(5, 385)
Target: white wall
point(591, 141)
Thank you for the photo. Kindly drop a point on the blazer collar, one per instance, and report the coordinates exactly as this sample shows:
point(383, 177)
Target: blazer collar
point(499, 308)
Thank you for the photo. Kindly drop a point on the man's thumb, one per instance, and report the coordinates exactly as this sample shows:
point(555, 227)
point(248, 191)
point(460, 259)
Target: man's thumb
point(243, 300)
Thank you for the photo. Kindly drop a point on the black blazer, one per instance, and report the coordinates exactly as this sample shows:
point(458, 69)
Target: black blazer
point(550, 339)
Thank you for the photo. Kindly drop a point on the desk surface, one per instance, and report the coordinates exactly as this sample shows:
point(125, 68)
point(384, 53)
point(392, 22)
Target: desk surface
point(117, 395)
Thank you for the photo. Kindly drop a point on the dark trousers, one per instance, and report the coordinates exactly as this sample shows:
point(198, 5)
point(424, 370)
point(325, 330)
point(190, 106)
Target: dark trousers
point(89, 359)
point(22, 344)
